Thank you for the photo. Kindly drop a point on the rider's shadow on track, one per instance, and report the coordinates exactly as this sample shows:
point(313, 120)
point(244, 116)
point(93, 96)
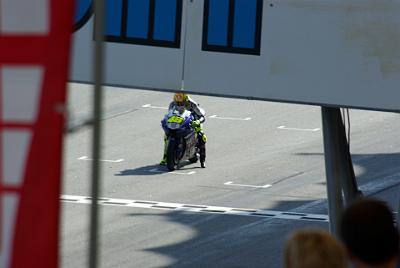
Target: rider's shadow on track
point(155, 169)
point(145, 170)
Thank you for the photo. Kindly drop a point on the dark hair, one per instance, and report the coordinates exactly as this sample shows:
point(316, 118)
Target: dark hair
point(368, 230)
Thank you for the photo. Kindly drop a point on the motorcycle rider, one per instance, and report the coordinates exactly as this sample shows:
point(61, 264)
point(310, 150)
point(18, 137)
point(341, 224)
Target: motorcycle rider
point(183, 99)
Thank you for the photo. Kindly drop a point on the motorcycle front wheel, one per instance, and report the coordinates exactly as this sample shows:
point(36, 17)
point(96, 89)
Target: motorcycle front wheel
point(172, 157)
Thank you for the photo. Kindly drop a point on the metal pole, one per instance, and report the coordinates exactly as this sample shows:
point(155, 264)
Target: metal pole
point(340, 175)
point(97, 115)
point(332, 162)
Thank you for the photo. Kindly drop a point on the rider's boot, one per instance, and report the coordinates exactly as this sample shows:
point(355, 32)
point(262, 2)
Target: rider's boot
point(202, 147)
point(203, 155)
point(163, 161)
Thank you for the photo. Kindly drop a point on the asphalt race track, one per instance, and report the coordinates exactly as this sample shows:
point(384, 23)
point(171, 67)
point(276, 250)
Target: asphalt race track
point(265, 177)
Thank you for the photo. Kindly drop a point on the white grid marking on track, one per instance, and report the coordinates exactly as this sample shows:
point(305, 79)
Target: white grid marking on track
point(271, 214)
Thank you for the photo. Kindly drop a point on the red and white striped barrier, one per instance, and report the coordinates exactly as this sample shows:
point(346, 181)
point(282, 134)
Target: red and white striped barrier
point(34, 59)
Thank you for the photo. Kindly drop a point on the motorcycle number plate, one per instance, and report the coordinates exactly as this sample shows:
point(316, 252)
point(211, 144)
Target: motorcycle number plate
point(175, 119)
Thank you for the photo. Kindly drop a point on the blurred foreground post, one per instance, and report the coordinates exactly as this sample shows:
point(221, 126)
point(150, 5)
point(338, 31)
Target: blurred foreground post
point(97, 133)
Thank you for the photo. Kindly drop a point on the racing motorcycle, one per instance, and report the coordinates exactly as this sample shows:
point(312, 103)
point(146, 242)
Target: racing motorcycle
point(182, 138)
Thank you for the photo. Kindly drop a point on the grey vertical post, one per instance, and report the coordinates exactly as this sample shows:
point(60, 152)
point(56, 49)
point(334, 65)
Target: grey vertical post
point(340, 176)
point(97, 133)
point(332, 162)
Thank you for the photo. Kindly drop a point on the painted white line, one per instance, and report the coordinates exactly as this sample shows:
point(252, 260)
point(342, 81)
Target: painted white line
point(299, 129)
point(229, 118)
point(155, 170)
point(118, 114)
point(154, 107)
point(103, 160)
point(266, 214)
point(247, 185)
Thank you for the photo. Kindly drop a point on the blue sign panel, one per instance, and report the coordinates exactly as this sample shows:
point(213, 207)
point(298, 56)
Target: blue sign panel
point(137, 24)
point(218, 14)
point(164, 20)
point(144, 22)
point(232, 26)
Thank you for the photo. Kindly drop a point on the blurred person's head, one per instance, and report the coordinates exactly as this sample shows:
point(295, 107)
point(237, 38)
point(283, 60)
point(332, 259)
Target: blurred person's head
point(314, 249)
point(368, 231)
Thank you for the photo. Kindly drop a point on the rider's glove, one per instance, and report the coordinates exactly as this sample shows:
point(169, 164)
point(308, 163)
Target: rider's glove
point(195, 123)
